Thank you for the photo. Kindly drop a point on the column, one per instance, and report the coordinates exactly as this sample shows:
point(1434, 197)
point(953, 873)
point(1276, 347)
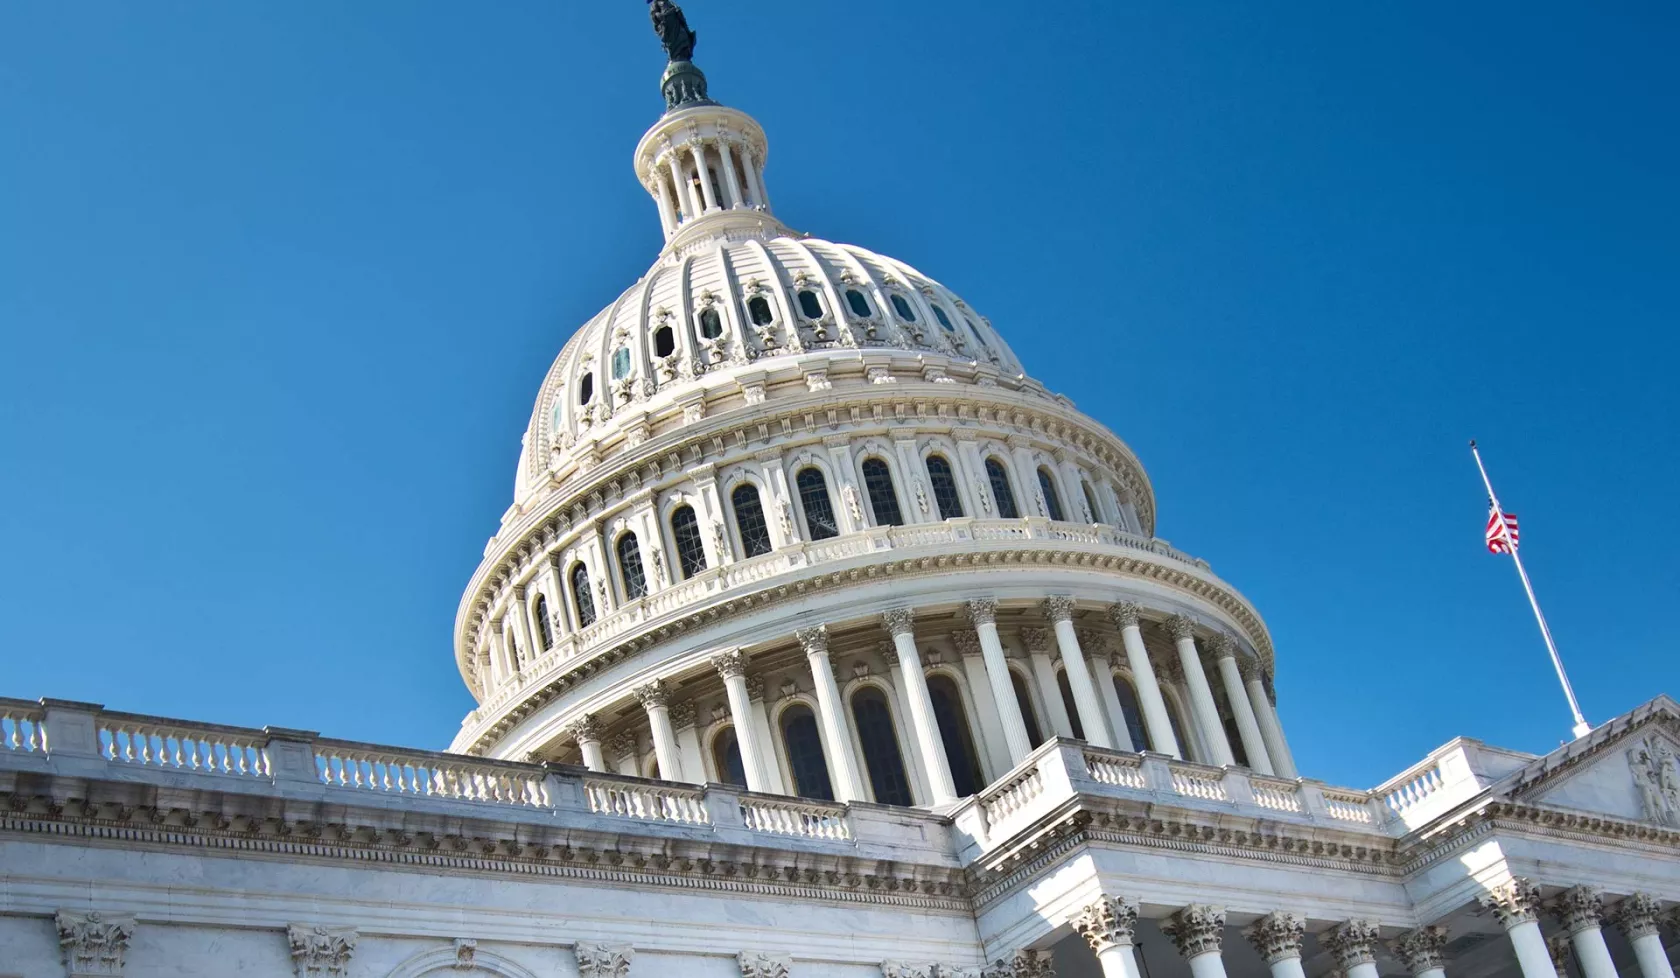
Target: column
point(982, 612)
point(1277, 938)
point(655, 699)
point(1102, 676)
point(551, 586)
point(500, 661)
point(623, 747)
point(684, 193)
point(1201, 695)
point(755, 170)
point(732, 666)
point(587, 732)
point(1270, 732)
point(761, 725)
point(1422, 951)
point(1581, 912)
point(967, 643)
point(1517, 905)
point(1354, 945)
point(1225, 660)
point(667, 219)
point(1558, 947)
point(1270, 711)
point(1198, 932)
point(701, 170)
point(914, 764)
point(901, 624)
point(689, 756)
point(527, 632)
point(1059, 609)
point(730, 186)
point(1039, 644)
point(1636, 917)
point(1107, 926)
point(842, 763)
point(1125, 617)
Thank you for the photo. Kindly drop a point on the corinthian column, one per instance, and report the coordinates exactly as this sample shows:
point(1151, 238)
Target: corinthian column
point(1198, 931)
point(1517, 905)
point(1422, 951)
point(1636, 917)
point(1201, 695)
point(1161, 739)
point(1276, 747)
point(1107, 927)
point(842, 763)
point(1354, 944)
point(901, 623)
point(1581, 910)
point(731, 664)
point(656, 701)
point(1277, 938)
point(1059, 609)
point(1225, 658)
point(587, 732)
point(983, 613)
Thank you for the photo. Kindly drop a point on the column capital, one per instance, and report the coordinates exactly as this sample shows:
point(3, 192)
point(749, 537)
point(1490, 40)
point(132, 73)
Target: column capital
point(1223, 646)
point(654, 694)
point(1421, 950)
point(1637, 916)
point(1558, 946)
point(1030, 963)
point(1181, 627)
point(1094, 643)
point(966, 640)
point(1277, 935)
point(603, 960)
point(1248, 669)
point(1058, 608)
point(1196, 929)
point(1578, 908)
point(93, 943)
point(730, 663)
point(584, 728)
point(813, 640)
point(899, 621)
point(623, 745)
point(757, 964)
point(889, 652)
point(982, 611)
point(1353, 942)
point(1170, 669)
point(1038, 640)
point(1515, 902)
point(682, 714)
point(755, 687)
point(319, 950)
point(1125, 614)
point(1109, 922)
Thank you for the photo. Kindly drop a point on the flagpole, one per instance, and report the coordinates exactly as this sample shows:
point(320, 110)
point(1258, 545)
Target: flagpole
point(1582, 727)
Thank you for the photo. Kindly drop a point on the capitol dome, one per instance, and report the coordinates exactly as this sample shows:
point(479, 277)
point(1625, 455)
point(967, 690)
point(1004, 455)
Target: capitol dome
point(791, 514)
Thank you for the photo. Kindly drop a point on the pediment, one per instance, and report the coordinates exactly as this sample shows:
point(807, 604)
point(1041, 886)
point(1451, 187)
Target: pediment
point(1627, 769)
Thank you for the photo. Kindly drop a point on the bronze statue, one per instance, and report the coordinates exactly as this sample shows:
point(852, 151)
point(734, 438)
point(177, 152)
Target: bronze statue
point(672, 28)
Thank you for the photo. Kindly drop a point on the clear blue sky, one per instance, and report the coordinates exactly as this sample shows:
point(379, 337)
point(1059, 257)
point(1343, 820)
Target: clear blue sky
point(278, 283)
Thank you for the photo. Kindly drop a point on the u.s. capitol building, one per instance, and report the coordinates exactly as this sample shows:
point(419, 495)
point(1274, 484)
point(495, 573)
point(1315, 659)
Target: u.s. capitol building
point(822, 641)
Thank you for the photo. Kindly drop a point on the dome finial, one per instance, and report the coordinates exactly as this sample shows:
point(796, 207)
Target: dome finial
point(683, 83)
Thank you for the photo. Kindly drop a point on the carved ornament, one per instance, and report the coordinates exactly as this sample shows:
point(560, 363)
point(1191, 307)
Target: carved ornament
point(1353, 943)
point(93, 943)
point(603, 960)
point(1197, 929)
point(1515, 902)
point(1109, 922)
point(1277, 936)
point(319, 951)
point(1421, 950)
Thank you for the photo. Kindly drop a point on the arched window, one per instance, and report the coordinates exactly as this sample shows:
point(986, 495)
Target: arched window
point(1052, 499)
point(1179, 734)
point(1091, 501)
point(586, 388)
point(859, 303)
point(685, 533)
point(582, 600)
point(664, 341)
point(749, 520)
point(944, 487)
point(1133, 713)
point(1035, 733)
point(1000, 489)
point(883, 501)
point(630, 567)
point(880, 747)
point(903, 309)
point(944, 320)
point(759, 309)
point(545, 630)
point(813, 498)
point(1233, 736)
point(1070, 704)
point(809, 304)
point(711, 324)
point(621, 363)
point(726, 758)
point(805, 753)
point(958, 739)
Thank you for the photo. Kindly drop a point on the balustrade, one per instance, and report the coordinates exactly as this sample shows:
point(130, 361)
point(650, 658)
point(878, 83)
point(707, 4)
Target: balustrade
point(1348, 806)
point(806, 819)
point(647, 801)
point(1122, 771)
point(425, 774)
point(1199, 782)
point(149, 742)
point(1281, 796)
point(20, 727)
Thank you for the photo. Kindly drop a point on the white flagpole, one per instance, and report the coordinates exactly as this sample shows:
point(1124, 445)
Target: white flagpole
point(1582, 727)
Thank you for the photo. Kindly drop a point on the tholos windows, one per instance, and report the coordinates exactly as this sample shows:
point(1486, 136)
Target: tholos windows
point(621, 363)
point(809, 304)
point(759, 309)
point(902, 307)
point(664, 341)
point(586, 388)
point(711, 324)
point(944, 320)
point(858, 302)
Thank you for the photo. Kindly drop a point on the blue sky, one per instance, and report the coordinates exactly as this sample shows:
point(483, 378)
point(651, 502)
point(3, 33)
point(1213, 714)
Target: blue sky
point(278, 283)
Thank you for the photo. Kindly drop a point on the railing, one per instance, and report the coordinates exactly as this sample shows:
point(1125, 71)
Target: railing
point(647, 801)
point(149, 742)
point(796, 818)
point(1413, 791)
point(1348, 806)
point(1206, 784)
point(20, 727)
point(1122, 772)
point(1013, 795)
point(1279, 796)
point(429, 775)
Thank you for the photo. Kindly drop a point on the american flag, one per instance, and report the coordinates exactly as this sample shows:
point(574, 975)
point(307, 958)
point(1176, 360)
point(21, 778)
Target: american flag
point(1501, 530)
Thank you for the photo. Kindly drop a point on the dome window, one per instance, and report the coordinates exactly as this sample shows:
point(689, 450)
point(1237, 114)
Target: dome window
point(820, 523)
point(999, 480)
point(809, 304)
point(664, 342)
point(859, 303)
point(630, 567)
point(1091, 502)
point(759, 309)
point(582, 602)
point(944, 487)
point(883, 500)
point(711, 324)
point(1052, 498)
point(685, 532)
point(944, 320)
point(749, 520)
point(903, 309)
point(621, 363)
point(586, 389)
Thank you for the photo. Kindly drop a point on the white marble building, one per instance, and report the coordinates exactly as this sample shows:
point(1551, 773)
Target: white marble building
point(822, 641)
